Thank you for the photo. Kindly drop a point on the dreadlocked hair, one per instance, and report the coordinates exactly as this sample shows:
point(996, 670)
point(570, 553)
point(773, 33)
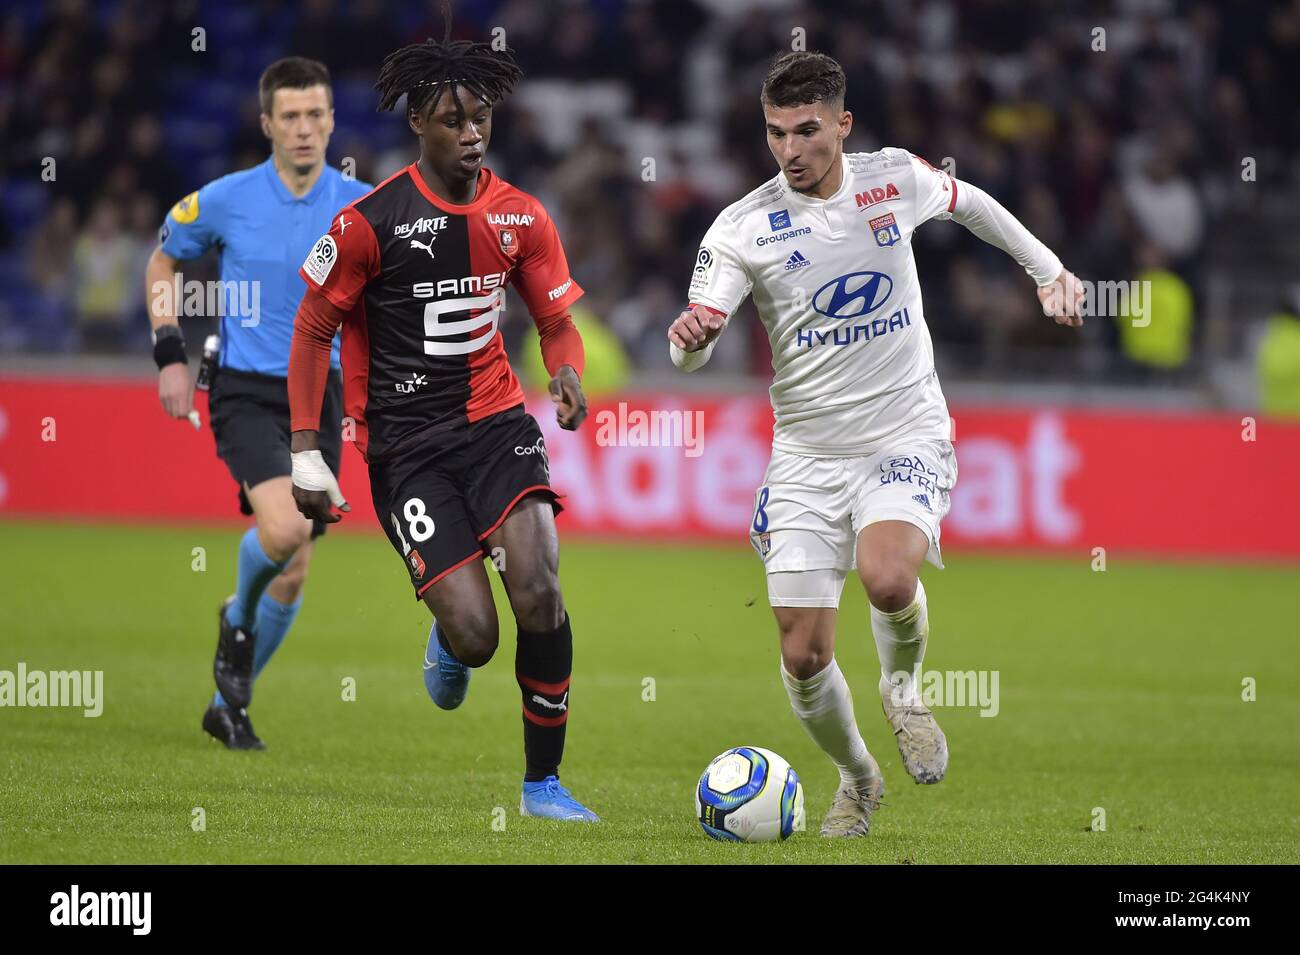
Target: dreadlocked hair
point(424, 71)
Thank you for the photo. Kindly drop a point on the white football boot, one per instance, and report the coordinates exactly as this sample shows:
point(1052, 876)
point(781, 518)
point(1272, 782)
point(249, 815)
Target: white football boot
point(851, 809)
point(921, 743)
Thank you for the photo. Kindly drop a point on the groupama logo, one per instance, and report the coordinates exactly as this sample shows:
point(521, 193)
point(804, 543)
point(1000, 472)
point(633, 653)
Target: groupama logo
point(854, 294)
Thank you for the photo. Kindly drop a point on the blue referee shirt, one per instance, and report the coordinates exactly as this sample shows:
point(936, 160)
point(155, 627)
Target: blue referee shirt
point(264, 233)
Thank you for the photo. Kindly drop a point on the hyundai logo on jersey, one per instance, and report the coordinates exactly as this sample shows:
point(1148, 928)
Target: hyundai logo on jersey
point(849, 296)
point(841, 335)
point(779, 220)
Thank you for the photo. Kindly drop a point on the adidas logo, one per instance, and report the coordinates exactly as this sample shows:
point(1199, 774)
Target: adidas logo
point(796, 261)
point(923, 500)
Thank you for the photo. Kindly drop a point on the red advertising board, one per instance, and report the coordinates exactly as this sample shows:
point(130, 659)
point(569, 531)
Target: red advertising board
point(686, 466)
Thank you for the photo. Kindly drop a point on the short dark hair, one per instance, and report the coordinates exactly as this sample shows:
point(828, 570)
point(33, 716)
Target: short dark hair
point(294, 73)
point(799, 78)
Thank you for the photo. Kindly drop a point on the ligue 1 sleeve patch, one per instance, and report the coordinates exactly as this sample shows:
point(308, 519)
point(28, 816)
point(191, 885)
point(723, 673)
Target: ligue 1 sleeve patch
point(703, 269)
point(187, 210)
point(321, 259)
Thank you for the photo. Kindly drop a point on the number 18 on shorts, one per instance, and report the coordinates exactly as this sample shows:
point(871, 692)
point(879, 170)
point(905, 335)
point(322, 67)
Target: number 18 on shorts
point(440, 502)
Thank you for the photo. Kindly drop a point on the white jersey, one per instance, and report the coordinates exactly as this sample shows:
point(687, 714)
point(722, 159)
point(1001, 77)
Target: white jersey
point(834, 281)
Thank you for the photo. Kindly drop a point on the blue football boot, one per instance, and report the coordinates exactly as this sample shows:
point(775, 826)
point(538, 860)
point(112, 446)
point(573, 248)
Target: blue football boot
point(445, 677)
point(547, 799)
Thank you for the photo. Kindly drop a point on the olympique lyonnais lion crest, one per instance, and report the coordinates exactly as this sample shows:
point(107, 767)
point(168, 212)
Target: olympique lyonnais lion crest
point(885, 229)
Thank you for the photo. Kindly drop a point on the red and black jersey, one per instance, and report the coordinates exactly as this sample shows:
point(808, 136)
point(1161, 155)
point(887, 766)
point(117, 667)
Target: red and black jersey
point(421, 283)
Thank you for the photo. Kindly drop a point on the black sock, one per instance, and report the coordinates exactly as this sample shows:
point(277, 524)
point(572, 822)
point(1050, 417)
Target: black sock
point(543, 663)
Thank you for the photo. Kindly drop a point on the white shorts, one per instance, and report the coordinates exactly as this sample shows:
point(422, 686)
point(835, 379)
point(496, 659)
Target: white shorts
point(809, 512)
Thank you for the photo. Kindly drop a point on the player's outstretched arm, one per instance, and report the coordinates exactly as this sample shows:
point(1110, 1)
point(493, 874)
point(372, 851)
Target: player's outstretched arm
point(314, 486)
point(565, 358)
point(1061, 299)
point(1059, 292)
point(570, 402)
point(175, 384)
point(692, 334)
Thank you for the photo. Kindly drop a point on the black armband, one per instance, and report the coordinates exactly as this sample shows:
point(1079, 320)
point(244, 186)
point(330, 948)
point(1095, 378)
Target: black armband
point(169, 347)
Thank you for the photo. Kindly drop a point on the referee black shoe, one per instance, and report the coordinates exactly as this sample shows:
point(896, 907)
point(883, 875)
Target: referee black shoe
point(232, 667)
point(231, 727)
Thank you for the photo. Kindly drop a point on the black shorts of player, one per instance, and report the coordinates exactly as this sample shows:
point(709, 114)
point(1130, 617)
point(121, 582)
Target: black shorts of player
point(250, 420)
point(439, 501)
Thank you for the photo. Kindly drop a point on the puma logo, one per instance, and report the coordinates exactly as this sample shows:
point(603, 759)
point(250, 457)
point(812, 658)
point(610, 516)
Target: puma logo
point(562, 705)
point(427, 246)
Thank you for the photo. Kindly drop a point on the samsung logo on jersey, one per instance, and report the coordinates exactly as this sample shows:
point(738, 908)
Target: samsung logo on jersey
point(782, 236)
point(849, 296)
point(463, 286)
point(419, 226)
point(509, 218)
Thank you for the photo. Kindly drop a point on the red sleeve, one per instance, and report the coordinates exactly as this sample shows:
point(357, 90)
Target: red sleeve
point(561, 343)
point(343, 260)
point(542, 275)
point(309, 358)
point(936, 191)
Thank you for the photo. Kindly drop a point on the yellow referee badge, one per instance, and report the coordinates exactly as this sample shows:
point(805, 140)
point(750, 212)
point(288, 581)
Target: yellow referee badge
point(187, 210)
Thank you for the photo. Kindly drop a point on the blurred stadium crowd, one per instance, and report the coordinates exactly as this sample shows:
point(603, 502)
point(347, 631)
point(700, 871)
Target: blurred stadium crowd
point(637, 122)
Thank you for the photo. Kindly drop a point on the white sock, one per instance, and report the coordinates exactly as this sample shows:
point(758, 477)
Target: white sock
point(824, 705)
point(900, 643)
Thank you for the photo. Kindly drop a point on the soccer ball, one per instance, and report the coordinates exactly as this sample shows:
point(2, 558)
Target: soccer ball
point(749, 794)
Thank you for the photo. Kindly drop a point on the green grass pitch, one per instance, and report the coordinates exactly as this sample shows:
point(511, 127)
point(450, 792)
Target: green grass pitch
point(1120, 690)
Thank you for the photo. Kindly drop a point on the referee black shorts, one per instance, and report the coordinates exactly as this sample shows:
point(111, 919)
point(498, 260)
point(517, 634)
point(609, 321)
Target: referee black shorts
point(250, 420)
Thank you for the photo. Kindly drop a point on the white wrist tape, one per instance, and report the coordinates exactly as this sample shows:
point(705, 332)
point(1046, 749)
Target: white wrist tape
point(311, 473)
